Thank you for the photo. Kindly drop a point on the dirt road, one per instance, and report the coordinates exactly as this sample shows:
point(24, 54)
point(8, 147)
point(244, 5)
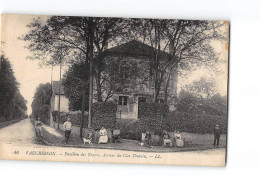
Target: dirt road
point(22, 134)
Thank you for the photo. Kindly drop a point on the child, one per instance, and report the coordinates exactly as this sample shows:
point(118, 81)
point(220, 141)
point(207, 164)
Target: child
point(67, 128)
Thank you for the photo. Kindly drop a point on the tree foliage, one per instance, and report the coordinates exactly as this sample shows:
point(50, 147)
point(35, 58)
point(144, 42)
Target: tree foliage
point(188, 42)
point(202, 88)
point(72, 82)
point(83, 40)
point(68, 38)
point(80, 37)
point(201, 97)
point(12, 103)
point(122, 73)
point(41, 102)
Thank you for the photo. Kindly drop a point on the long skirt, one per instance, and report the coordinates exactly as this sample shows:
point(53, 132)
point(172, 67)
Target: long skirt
point(103, 139)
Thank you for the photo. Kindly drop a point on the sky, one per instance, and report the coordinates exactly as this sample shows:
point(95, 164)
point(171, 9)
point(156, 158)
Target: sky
point(29, 74)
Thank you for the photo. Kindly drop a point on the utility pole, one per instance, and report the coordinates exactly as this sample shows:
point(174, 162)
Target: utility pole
point(50, 105)
point(51, 79)
point(59, 90)
point(84, 84)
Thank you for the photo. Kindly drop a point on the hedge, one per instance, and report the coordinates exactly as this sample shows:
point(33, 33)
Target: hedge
point(104, 115)
point(156, 117)
point(195, 123)
point(153, 117)
point(130, 128)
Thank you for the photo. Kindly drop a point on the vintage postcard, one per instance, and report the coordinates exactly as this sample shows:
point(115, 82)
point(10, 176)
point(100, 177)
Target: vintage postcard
point(114, 90)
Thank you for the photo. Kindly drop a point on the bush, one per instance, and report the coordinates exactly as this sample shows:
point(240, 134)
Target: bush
point(153, 117)
point(43, 114)
point(130, 129)
point(156, 117)
point(195, 123)
point(104, 115)
point(55, 113)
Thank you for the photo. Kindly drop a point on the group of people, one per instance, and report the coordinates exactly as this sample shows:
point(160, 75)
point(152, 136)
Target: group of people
point(67, 126)
point(177, 138)
point(165, 136)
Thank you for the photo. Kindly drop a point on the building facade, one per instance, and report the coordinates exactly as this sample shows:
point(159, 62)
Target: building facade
point(131, 63)
point(128, 79)
point(64, 102)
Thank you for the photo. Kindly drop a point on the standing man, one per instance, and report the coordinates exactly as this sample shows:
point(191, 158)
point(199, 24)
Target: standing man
point(67, 126)
point(216, 135)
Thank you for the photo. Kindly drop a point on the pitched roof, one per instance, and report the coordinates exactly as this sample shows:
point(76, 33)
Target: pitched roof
point(135, 48)
point(55, 87)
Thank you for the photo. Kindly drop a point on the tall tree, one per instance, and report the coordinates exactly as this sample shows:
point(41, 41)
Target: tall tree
point(189, 44)
point(72, 33)
point(201, 97)
point(82, 37)
point(72, 82)
point(41, 102)
point(202, 88)
point(106, 31)
point(12, 103)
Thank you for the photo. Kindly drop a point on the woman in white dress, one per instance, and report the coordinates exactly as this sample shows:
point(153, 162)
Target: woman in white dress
point(103, 136)
point(178, 139)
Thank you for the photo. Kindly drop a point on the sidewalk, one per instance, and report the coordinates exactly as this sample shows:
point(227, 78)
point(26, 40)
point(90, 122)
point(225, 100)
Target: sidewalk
point(54, 137)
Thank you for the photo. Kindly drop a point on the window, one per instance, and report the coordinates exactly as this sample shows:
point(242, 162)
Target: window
point(122, 100)
point(124, 72)
point(160, 100)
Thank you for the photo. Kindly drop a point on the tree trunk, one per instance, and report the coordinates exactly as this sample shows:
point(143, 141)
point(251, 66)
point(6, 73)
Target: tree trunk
point(84, 85)
point(166, 87)
point(156, 92)
point(91, 49)
point(157, 83)
point(99, 93)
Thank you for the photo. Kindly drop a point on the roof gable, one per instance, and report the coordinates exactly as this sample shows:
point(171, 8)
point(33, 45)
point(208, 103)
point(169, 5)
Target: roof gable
point(136, 49)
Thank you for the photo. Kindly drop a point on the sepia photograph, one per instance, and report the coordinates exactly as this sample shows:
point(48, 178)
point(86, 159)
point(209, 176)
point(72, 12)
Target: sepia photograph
point(114, 90)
